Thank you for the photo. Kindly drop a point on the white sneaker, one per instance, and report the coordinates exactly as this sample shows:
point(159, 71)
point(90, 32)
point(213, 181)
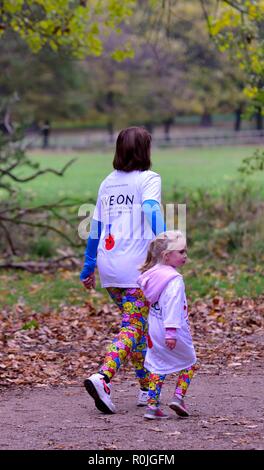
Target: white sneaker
point(100, 391)
point(142, 399)
point(177, 404)
point(155, 414)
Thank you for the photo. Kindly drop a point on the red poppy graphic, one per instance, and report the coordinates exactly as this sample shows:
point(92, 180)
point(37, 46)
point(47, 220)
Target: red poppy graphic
point(109, 242)
point(149, 342)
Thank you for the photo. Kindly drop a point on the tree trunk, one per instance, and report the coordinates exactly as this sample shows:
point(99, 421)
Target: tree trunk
point(259, 118)
point(206, 119)
point(238, 118)
point(149, 126)
point(110, 128)
point(45, 134)
point(167, 126)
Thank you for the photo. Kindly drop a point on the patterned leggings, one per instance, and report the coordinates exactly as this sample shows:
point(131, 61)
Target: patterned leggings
point(156, 381)
point(130, 342)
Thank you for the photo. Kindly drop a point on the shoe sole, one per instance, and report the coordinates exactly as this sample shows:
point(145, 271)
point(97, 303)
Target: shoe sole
point(100, 405)
point(156, 417)
point(180, 411)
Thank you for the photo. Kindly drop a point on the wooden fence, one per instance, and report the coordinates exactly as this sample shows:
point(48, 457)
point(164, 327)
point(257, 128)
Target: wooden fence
point(86, 140)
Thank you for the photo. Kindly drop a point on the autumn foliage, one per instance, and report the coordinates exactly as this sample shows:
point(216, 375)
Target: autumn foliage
point(63, 347)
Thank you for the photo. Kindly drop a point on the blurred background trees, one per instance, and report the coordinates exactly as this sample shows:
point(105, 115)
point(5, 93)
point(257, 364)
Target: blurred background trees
point(237, 27)
point(181, 63)
point(73, 66)
point(79, 27)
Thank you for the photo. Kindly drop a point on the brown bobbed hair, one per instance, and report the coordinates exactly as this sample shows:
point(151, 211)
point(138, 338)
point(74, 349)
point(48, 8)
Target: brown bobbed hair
point(133, 150)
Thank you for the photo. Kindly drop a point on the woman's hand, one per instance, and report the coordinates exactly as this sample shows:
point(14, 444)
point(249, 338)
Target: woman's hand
point(89, 282)
point(170, 343)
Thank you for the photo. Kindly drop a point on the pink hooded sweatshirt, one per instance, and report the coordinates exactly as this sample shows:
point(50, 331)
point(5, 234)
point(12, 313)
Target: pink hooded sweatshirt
point(154, 281)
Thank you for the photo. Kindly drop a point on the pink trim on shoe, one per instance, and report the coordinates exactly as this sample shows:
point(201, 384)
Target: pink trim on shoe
point(178, 405)
point(155, 414)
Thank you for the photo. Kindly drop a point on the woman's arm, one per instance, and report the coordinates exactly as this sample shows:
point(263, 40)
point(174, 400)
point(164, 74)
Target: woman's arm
point(152, 211)
point(91, 250)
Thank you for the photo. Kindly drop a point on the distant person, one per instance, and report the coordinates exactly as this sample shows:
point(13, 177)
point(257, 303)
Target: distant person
point(170, 346)
point(45, 130)
point(125, 195)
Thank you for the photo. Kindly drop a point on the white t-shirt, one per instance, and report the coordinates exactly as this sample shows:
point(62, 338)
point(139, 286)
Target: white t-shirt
point(126, 233)
point(171, 311)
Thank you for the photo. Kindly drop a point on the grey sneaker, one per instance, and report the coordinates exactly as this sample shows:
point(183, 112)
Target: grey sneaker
point(155, 414)
point(142, 399)
point(178, 405)
point(100, 391)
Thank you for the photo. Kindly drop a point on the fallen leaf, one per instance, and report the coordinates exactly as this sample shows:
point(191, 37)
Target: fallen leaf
point(58, 353)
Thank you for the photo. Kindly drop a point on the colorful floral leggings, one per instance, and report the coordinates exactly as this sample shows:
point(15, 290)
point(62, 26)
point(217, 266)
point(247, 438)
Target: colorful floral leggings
point(130, 342)
point(156, 381)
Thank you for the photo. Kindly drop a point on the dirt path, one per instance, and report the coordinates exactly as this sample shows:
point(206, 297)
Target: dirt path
point(226, 413)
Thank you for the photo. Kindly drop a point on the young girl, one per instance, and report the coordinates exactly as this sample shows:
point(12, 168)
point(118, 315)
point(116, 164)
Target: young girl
point(170, 347)
point(118, 243)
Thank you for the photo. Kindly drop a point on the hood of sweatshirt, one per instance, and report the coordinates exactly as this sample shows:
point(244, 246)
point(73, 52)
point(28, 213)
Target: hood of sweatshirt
point(153, 281)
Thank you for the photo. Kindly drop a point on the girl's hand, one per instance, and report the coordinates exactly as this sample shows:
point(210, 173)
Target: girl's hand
point(89, 282)
point(170, 343)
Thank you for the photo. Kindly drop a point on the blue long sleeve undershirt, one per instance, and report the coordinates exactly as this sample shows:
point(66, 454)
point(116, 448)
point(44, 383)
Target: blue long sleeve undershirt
point(154, 217)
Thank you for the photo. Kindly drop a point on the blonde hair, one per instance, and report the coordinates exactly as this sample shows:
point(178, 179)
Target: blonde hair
point(162, 244)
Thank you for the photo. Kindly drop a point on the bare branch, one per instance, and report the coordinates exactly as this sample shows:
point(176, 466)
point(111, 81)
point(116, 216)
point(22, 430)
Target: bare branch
point(38, 173)
point(12, 167)
point(7, 188)
point(8, 237)
point(235, 5)
point(60, 216)
point(37, 267)
point(206, 16)
point(39, 225)
point(56, 205)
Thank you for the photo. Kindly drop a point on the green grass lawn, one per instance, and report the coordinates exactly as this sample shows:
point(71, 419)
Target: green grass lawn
point(44, 292)
point(210, 168)
point(186, 169)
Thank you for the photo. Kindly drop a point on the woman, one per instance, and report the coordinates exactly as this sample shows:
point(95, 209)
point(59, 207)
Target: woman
point(118, 242)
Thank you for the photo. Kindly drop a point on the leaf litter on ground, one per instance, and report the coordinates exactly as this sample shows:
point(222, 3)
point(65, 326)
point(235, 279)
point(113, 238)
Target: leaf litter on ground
point(64, 346)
